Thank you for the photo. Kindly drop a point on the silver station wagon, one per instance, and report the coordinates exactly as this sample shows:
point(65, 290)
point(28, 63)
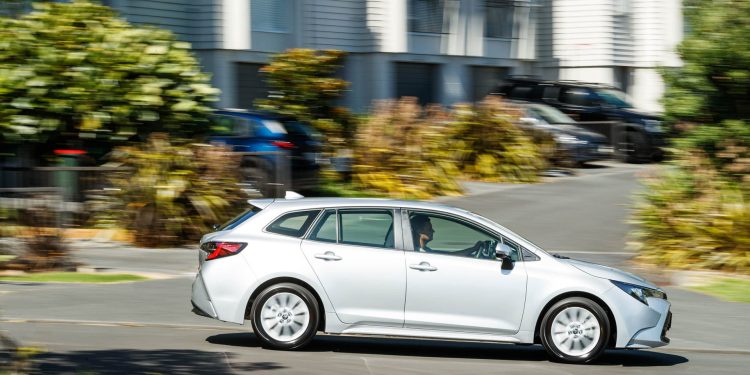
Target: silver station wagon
point(296, 267)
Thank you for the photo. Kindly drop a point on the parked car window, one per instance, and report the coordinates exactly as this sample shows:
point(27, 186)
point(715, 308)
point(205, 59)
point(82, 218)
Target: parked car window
point(444, 235)
point(232, 126)
point(293, 224)
point(326, 229)
point(520, 92)
point(366, 227)
point(575, 96)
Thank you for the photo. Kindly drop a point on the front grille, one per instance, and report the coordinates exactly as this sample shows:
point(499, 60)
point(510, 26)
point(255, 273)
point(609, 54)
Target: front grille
point(667, 326)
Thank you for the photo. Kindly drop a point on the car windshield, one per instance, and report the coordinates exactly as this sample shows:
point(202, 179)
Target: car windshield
point(614, 97)
point(550, 115)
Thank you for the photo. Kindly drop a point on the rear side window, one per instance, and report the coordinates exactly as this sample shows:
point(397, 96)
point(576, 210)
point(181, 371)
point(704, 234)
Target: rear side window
point(293, 224)
point(575, 96)
point(239, 219)
point(366, 228)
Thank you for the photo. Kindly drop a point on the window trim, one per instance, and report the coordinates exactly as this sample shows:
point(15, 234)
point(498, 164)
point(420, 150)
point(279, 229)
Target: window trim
point(271, 222)
point(502, 237)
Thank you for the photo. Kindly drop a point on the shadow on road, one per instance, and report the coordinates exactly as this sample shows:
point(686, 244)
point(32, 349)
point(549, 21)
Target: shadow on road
point(443, 349)
point(144, 362)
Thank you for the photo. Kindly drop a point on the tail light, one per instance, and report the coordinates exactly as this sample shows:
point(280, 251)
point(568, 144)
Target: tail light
point(283, 144)
point(217, 250)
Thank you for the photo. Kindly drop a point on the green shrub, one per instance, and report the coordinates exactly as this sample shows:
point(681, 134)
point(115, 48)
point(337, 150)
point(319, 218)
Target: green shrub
point(488, 145)
point(171, 194)
point(400, 150)
point(692, 216)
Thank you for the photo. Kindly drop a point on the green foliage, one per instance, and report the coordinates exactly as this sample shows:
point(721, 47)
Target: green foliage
point(693, 217)
point(488, 145)
point(303, 85)
point(714, 83)
point(400, 150)
point(174, 194)
point(70, 70)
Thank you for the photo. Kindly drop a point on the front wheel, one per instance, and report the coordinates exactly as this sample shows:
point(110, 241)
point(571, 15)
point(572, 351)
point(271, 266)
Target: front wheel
point(575, 330)
point(285, 316)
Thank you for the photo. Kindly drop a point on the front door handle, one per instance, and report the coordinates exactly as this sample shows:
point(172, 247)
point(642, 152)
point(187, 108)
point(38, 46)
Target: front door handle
point(423, 266)
point(328, 255)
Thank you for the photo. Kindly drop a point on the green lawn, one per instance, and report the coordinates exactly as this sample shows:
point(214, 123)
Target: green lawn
point(728, 289)
point(73, 277)
point(4, 258)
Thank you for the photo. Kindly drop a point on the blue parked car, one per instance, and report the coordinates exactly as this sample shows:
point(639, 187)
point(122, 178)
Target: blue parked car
point(268, 142)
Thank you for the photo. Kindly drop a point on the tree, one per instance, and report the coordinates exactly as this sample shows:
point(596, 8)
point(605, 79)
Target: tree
point(303, 86)
point(75, 70)
point(714, 83)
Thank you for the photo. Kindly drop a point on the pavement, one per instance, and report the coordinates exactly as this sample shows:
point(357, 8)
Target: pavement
point(147, 327)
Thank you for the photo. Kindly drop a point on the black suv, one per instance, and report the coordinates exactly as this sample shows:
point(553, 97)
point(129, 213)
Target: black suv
point(635, 136)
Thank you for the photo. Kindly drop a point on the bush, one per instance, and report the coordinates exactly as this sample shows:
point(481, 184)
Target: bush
point(488, 145)
point(173, 194)
point(400, 150)
point(692, 216)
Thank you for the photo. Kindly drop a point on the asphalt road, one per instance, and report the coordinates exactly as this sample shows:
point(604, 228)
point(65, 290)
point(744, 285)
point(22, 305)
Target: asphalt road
point(147, 327)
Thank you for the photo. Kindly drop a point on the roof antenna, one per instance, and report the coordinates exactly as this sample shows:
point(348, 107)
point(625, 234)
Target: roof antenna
point(292, 195)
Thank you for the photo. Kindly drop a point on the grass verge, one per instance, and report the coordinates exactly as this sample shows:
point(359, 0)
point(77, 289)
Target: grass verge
point(4, 258)
point(72, 277)
point(728, 289)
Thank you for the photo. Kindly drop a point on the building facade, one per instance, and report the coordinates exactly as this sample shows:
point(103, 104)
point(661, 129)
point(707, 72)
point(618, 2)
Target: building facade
point(441, 51)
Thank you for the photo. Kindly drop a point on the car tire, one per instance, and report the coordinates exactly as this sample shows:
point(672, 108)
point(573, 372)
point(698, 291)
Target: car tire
point(575, 330)
point(629, 147)
point(285, 316)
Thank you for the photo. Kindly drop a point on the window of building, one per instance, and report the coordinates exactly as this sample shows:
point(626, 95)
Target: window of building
point(416, 80)
point(293, 224)
point(427, 16)
point(271, 15)
point(499, 20)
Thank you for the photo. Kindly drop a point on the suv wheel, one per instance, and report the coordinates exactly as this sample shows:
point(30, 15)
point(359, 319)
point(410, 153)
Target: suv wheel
point(575, 330)
point(629, 147)
point(285, 316)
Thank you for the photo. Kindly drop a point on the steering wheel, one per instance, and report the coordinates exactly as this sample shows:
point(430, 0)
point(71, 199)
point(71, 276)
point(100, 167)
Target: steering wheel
point(485, 250)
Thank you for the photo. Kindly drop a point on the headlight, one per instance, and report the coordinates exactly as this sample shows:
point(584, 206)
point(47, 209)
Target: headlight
point(569, 139)
point(638, 292)
point(653, 126)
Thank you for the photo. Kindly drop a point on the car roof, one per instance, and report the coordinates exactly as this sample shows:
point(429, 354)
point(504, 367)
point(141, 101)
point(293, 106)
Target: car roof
point(569, 83)
point(304, 203)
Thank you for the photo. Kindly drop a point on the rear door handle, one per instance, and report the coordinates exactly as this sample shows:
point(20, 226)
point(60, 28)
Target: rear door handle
point(328, 255)
point(423, 266)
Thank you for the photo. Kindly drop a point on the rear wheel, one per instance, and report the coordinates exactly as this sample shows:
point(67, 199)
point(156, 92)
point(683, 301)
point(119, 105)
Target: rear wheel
point(285, 316)
point(630, 146)
point(575, 330)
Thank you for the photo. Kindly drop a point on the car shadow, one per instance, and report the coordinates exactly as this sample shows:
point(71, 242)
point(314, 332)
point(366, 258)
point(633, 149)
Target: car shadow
point(143, 362)
point(452, 349)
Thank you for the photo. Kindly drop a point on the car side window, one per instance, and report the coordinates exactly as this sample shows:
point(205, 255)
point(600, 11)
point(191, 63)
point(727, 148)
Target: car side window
point(434, 233)
point(366, 227)
point(325, 230)
point(293, 224)
point(575, 96)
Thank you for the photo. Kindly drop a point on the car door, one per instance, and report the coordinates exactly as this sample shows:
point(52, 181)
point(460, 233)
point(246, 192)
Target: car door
point(357, 257)
point(452, 288)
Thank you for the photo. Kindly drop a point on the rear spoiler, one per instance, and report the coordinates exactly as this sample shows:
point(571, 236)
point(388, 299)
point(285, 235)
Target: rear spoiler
point(263, 203)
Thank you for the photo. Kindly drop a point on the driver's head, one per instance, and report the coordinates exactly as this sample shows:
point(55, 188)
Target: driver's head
point(422, 227)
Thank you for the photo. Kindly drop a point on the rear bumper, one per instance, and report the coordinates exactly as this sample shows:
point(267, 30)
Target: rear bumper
point(200, 300)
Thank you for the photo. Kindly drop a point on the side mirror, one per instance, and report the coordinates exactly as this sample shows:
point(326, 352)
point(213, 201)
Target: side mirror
point(502, 252)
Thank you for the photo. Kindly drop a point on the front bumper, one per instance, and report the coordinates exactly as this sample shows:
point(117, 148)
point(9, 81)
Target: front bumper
point(639, 326)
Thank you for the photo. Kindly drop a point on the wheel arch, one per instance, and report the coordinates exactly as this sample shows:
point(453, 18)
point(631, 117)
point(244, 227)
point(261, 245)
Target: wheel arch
point(613, 323)
point(291, 280)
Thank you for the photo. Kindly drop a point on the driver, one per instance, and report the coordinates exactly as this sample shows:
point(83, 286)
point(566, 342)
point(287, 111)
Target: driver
point(422, 233)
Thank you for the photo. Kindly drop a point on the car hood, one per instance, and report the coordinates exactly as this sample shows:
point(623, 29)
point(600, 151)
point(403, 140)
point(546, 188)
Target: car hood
point(609, 273)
